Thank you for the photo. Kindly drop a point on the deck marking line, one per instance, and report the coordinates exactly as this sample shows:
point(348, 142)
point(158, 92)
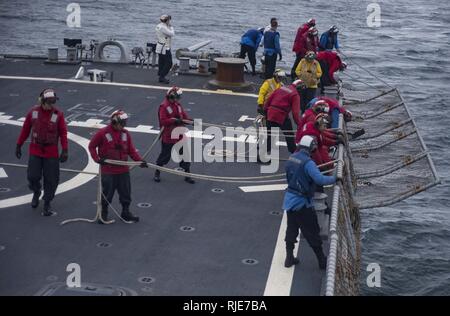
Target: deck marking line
point(3, 173)
point(133, 85)
point(279, 281)
point(70, 184)
point(263, 188)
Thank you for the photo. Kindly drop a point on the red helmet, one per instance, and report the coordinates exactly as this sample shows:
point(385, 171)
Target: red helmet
point(322, 119)
point(119, 117)
point(320, 106)
point(347, 116)
point(174, 93)
point(48, 95)
point(311, 22)
point(313, 31)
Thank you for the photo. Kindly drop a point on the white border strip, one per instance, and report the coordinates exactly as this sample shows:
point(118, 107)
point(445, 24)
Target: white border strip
point(132, 85)
point(279, 281)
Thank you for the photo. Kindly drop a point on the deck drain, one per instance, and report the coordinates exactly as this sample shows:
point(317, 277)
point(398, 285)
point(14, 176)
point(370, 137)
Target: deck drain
point(72, 90)
point(217, 190)
point(146, 280)
point(187, 229)
point(13, 94)
point(227, 123)
point(144, 205)
point(103, 244)
point(147, 289)
point(52, 278)
point(94, 202)
point(4, 190)
point(2, 248)
point(250, 262)
point(124, 88)
point(191, 103)
point(187, 109)
point(150, 97)
point(101, 100)
point(276, 213)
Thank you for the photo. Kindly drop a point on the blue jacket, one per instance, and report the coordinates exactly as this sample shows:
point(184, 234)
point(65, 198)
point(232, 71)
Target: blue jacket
point(328, 42)
point(302, 176)
point(271, 43)
point(252, 38)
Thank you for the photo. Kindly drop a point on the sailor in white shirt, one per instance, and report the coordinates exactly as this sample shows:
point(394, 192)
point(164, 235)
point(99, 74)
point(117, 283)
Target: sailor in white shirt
point(164, 34)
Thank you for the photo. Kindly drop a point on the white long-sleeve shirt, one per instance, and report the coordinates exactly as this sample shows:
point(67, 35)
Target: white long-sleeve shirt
point(164, 34)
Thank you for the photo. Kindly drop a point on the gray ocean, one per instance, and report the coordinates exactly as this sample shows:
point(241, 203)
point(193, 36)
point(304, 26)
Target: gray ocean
point(410, 50)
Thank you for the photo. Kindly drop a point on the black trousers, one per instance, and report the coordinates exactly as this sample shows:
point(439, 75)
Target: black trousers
point(286, 128)
point(310, 93)
point(164, 156)
point(251, 52)
point(111, 183)
point(164, 64)
point(297, 61)
point(305, 220)
point(47, 167)
point(270, 65)
point(325, 80)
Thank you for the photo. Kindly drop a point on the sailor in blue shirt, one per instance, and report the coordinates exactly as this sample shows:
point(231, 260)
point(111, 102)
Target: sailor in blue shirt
point(329, 39)
point(249, 45)
point(302, 176)
point(272, 48)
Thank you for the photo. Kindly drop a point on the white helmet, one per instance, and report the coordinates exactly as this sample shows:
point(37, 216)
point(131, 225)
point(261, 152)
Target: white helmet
point(308, 142)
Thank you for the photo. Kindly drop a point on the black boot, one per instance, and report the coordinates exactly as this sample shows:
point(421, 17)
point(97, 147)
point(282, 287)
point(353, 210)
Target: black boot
point(104, 215)
point(321, 258)
point(47, 210)
point(157, 177)
point(290, 259)
point(188, 179)
point(35, 200)
point(128, 216)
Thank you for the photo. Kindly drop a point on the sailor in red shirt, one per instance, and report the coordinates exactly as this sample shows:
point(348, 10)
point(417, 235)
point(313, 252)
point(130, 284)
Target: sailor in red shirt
point(114, 142)
point(325, 138)
point(307, 39)
point(311, 113)
point(47, 126)
point(172, 115)
point(278, 107)
point(330, 62)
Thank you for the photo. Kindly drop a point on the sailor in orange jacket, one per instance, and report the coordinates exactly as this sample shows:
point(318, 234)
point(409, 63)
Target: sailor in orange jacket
point(47, 125)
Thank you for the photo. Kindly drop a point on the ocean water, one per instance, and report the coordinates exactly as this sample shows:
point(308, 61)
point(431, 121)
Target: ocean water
point(410, 50)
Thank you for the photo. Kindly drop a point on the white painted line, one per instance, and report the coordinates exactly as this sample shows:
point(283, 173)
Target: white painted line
point(132, 85)
point(279, 281)
point(244, 118)
point(263, 188)
point(70, 184)
point(3, 173)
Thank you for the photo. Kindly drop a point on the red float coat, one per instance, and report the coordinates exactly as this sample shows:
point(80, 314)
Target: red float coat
point(281, 102)
point(334, 62)
point(46, 127)
point(109, 143)
point(168, 111)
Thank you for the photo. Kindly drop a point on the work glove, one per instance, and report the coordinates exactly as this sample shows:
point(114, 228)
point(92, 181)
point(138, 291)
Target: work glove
point(260, 110)
point(18, 151)
point(101, 161)
point(143, 164)
point(64, 156)
point(281, 57)
point(178, 121)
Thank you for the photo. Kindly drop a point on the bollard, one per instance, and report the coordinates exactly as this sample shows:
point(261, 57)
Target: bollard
point(184, 64)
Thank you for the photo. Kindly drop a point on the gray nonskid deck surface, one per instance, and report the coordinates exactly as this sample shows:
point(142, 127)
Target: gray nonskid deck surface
point(229, 226)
